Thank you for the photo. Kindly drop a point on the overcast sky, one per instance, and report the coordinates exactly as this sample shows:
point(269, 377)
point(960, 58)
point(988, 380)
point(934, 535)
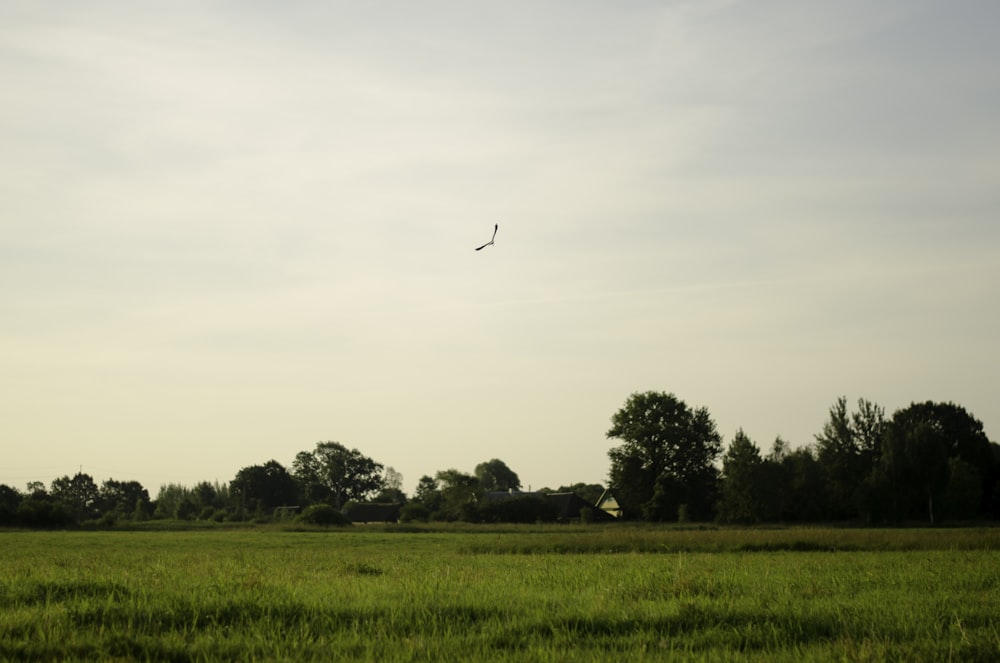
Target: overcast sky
point(231, 230)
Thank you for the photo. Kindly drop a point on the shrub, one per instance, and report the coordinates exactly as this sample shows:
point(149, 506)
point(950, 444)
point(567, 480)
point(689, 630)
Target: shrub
point(414, 512)
point(322, 514)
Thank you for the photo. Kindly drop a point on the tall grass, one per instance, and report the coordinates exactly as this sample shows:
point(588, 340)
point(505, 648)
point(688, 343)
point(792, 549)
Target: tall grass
point(563, 595)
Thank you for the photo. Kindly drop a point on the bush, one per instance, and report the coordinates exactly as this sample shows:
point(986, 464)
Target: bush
point(322, 514)
point(186, 510)
point(44, 512)
point(414, 512)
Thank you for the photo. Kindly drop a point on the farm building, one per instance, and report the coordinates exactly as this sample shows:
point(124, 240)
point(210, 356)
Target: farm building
point(570, 505)
point(567, 505)
point(608, 504)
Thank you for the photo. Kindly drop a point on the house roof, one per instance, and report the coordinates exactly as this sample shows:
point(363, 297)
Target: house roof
point(608, 503)
point(569, 506)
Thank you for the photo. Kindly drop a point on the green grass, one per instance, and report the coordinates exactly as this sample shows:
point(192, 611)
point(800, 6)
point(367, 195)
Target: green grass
point(511, 594)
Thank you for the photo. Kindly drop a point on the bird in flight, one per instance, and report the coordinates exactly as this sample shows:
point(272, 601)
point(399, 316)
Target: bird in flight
point(489, 243)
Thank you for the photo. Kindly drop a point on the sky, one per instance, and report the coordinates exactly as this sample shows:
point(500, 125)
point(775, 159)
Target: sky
point(232, 230)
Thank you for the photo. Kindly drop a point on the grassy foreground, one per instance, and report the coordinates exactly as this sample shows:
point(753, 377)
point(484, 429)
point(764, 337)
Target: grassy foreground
point(517, 594)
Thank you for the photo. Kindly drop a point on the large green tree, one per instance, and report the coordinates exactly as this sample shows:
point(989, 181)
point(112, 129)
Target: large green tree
point(428, 493)
point(392, 487)
point(334, 474)
point(459, 492)
point(123, 499)
point(663, 470)
point(921, 445)
point(10, 499)
point(742, 486)
point(495, 475)
point(847, 449)
point(78, 493)
point(264, 487)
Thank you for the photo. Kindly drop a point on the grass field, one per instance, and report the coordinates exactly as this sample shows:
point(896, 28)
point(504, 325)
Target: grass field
point(512, 594)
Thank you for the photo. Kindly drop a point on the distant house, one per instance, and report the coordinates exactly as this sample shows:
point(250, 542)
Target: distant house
point(567, 505)
point(570, 505)
point(373, 512)
point(608, 503)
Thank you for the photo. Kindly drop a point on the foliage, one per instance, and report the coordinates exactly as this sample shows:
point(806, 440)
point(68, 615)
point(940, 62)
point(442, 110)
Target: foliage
point(260, 488)
point(742, 481)
point(428, 493)
point(458, 493)
point(414, 512)
point(847, 449)
point(42, 510)
point(123, 499)
point(495, 475)
point(666, 459)
point(79, 494)
point(392, 488)
point(10, 499)
point(919, 444)
point(930, 461)
point(322, 514)
point(334, 474)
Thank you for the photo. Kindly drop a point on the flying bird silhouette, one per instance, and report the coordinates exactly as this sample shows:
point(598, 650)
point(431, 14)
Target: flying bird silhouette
point(489, 243)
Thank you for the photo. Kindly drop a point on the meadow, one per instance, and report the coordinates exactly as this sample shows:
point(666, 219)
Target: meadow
point(542, 593)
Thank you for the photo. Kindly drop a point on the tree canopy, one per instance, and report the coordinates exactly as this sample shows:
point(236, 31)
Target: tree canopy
point(929, 461)
point(495, 475)
point(665, 463)
point(336, 474)
point(264, 487)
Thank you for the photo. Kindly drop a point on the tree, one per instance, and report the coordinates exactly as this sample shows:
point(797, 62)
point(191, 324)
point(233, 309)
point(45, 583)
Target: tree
point(10, 500)
point(79, 494)
point(323, 514)
point(259, 488)
point(428, 493)
point(495, 475)
point(920, 442)
point(775, 484)
point(336, 474)
point(666, 459)
point(458, 494)
point(847, 448)
point(122, 499)
point(805, 485)
point(963, 496)
point(392, 487)
point(741, 481)
point(174, 501)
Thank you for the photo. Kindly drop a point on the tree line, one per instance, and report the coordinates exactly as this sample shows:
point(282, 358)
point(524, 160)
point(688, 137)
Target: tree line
point(927, 462)
point(331, 475)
